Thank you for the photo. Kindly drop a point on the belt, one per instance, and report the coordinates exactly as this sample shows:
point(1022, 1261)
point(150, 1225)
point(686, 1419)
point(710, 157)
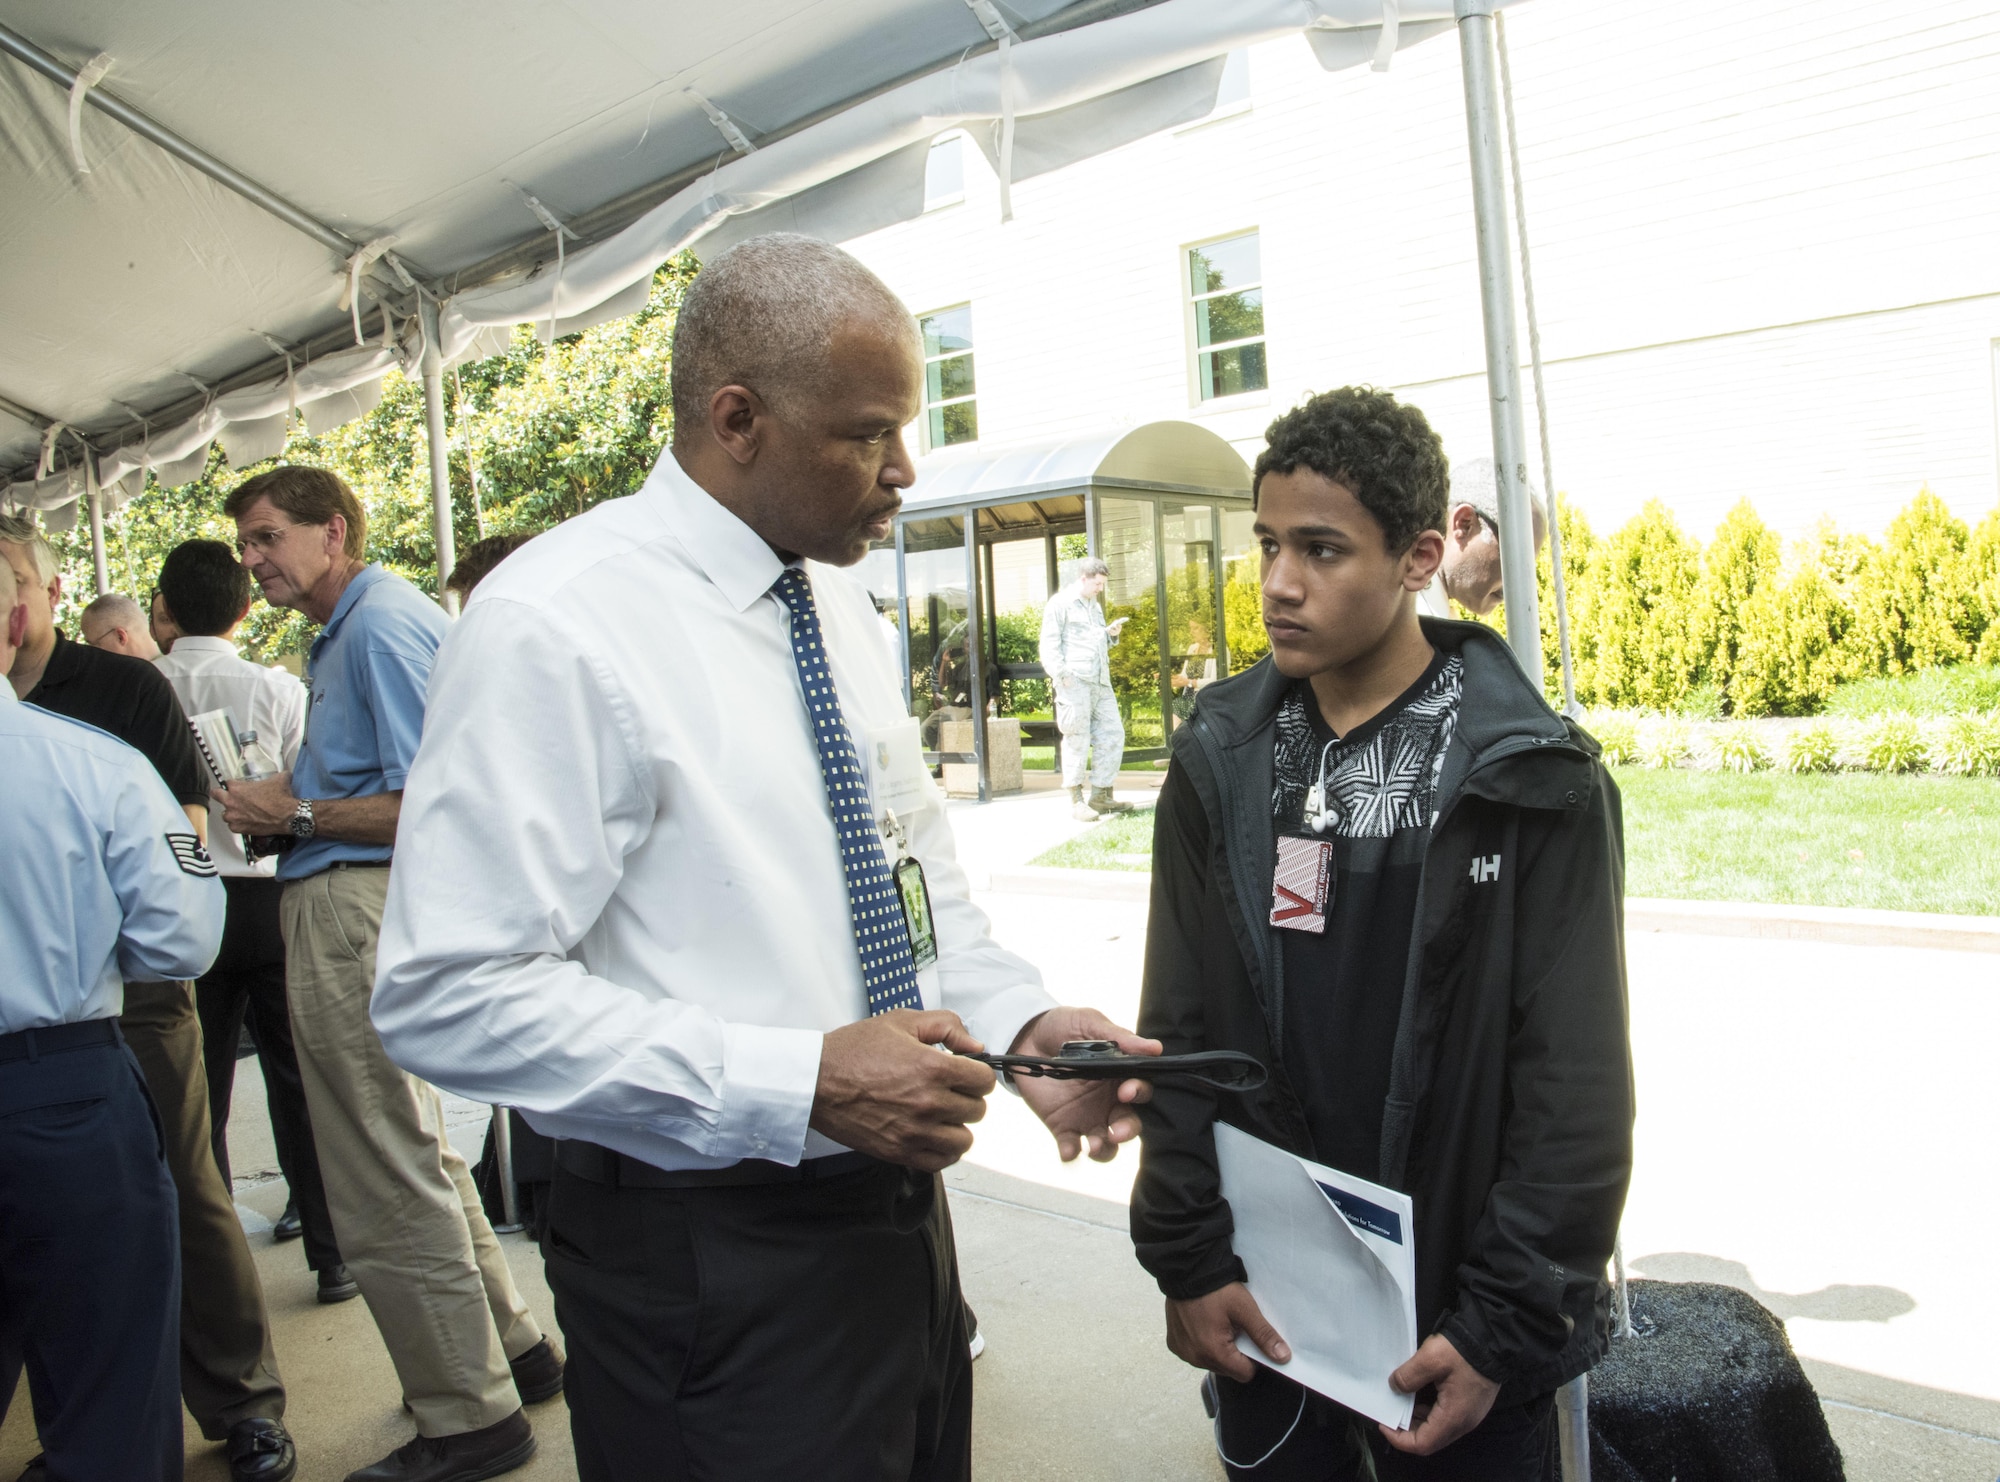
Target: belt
point(600, 1165)
point(32, 1044)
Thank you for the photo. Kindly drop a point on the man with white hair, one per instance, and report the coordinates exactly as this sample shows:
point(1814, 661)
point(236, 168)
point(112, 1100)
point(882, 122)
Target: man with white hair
point(1076, 653)
point(673, 880)
point(1470, 572)
point(117, 624)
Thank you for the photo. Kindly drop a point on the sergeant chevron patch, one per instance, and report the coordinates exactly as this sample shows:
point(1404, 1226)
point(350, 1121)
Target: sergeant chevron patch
point(191, 857)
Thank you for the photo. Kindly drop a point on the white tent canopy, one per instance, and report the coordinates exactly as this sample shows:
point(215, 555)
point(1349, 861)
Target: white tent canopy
point(148, 307)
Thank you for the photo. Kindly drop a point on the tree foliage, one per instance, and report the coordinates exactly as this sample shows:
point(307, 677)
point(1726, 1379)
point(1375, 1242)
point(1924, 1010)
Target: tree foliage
point(548, 430)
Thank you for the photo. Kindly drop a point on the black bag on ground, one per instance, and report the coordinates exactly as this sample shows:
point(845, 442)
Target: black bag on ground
point(1708, 1391)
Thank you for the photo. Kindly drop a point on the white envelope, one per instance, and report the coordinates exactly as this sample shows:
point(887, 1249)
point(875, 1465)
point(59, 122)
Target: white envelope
point(1332, 1264)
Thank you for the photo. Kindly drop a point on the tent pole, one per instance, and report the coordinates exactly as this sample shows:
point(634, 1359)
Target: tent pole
point(100, 564)
point(433, 373)
point(1503, 373)
point(1558, 579)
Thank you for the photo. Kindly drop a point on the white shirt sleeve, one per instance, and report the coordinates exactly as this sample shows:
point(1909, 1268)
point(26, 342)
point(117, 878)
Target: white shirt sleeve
point(283, 701)
point(530, 790)
point(170, 898)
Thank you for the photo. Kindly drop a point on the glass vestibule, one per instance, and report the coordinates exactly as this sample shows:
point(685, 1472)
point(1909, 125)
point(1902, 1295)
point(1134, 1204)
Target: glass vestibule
point(971, 664)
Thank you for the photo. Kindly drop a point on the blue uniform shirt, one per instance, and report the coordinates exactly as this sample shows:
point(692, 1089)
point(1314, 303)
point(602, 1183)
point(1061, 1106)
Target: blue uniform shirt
point(368, 671)
point(103, 879)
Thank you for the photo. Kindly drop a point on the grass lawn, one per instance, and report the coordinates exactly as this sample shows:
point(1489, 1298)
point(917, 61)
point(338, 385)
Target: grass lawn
point(1919, 843)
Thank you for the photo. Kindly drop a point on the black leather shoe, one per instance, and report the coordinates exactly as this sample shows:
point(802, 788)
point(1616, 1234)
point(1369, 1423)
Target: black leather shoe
point(289, 1225)
point(335, 1285)
point(538, 1373)
point(467, 1457)
point(261, 1451)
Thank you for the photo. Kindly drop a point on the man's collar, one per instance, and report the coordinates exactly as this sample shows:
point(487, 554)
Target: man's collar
point(358, 583)
point(190, 643)
point(732, 555)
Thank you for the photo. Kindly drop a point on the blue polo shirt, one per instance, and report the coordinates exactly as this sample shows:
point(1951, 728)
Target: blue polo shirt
point(368, 672)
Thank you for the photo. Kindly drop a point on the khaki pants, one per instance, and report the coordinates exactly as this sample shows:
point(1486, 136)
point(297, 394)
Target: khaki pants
point(404, 1209)
point(228, 1372)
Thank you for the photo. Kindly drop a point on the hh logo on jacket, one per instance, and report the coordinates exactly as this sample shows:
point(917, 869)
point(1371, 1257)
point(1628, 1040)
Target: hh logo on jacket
point(1485, 869)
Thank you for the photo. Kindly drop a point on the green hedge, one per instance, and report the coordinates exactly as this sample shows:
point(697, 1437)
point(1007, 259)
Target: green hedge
point(1746, 627)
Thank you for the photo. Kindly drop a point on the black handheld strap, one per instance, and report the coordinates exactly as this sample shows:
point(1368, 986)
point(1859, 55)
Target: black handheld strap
point(1225, 1070)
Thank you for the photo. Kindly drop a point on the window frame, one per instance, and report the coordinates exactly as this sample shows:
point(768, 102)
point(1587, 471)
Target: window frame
point(971, 398)
point(954, 137)
point(1195, 349)
point(1230, 107)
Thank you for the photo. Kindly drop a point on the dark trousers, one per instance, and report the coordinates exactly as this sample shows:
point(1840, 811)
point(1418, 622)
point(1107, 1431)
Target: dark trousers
point(248, 979)
point(778, 1331)
point(228, 1370)
point(90, 1264)
point(1304, 1437)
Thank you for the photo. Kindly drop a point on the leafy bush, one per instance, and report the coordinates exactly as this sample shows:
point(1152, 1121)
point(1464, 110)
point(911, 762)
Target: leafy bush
point(1741, 749)
point(1914, 604)
point(1618, 735)
point(1969, 745)
point(1739, 562)
point(1667, 743)
point(1813, 747)
point(1639, 643)
point(1894, 743)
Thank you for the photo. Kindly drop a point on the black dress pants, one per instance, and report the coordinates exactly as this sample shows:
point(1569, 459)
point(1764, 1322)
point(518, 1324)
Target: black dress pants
point(777, 1331)
point(1274, 1430)
point(249, 979)
point(90, 1276)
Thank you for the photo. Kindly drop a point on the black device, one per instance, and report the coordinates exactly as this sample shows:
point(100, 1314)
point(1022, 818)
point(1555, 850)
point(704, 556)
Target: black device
point(1102, 1060)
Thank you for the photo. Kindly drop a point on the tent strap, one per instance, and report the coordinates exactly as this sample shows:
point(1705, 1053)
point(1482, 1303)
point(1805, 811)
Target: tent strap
point(1556, 572)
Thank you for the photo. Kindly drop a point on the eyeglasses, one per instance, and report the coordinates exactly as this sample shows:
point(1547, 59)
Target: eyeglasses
point(262, 540)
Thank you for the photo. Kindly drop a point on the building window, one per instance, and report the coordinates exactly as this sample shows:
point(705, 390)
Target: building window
point(1225, 286)
point(944, 173)
point(950, 415)
point(1233, 93)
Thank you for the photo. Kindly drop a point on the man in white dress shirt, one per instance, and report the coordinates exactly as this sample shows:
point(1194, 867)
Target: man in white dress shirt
point(633, 898)
point(206, 593)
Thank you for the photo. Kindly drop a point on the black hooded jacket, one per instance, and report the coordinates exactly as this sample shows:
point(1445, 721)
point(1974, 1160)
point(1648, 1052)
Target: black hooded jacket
point(1509, 1114)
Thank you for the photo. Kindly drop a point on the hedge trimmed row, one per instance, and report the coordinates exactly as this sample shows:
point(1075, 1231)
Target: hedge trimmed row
point(1961, 745)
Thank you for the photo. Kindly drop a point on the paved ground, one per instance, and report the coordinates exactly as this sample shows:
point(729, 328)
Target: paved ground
point(1817, 1126)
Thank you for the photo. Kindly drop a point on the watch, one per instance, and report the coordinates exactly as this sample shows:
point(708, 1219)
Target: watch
point(303, 826)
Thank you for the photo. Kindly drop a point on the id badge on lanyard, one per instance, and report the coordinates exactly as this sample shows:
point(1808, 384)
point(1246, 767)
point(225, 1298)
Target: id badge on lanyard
point(911, 890)
point(1302, 884)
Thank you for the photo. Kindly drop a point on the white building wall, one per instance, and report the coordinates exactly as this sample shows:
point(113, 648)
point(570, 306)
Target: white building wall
point(1767, 254)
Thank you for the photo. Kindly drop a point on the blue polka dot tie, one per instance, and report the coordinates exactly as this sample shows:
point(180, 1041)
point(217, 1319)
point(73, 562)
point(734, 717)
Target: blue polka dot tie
point(888, 971)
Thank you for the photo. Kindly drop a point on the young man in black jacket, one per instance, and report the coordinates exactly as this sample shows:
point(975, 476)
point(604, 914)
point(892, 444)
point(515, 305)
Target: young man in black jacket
point(1445, 1014)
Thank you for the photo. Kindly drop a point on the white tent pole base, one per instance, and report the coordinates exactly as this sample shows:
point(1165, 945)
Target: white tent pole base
point(1573, 1428)
point(1503, 373)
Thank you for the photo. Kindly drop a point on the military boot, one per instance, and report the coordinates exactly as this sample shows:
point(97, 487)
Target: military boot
point(1081, 811)
point(1102, 801)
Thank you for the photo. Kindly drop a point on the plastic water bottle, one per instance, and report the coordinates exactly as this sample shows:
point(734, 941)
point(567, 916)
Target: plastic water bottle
point(258, 763)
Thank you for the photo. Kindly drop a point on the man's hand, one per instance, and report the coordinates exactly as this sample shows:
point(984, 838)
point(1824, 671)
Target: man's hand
point(1079, 1113)
point(1464, 1395)
point(883, 1090)
point(1203, 1332)
point(258, 808)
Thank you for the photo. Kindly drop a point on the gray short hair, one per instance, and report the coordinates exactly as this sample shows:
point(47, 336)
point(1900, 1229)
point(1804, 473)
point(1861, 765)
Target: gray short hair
point(1092, 566)
point(762, 314)
point(20, 530)
point(1473, 482)
point(116, 609)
